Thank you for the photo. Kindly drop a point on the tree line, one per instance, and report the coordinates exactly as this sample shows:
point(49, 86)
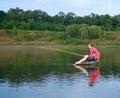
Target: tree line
point(40, 20)
point(69, 27)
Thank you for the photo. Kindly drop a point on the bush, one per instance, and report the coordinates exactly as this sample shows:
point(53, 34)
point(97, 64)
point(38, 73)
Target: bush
point(14, 31)
point(62, 35)
point(30, 36)
point(84, 31)
point(73, 30)
point(51, 27)
point(95, 32)
point(24, 26)
point(110, 36)
point(10, 24)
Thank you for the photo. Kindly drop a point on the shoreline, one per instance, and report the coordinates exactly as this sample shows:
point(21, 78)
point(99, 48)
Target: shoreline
point(34, 44)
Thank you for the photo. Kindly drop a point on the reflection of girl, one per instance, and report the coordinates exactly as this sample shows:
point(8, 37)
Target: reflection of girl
point(94, 55)
point(82, 69)
point(94, 74)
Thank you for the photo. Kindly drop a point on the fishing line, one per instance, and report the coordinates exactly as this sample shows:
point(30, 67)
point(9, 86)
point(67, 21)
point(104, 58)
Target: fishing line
point(63, 51)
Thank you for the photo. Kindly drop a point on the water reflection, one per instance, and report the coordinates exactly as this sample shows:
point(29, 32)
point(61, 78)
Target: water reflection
point(92, 71)
point(37, 72)
point(94, 75)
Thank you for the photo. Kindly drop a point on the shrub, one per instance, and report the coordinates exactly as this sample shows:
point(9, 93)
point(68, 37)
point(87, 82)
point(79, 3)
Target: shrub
point(73, 30)
point(73, 41)
point(110, 36)
point(24, 26)
point(95, 32)
point(30, 36)
point(62, 35)
point(14, 31)
point(84, 31)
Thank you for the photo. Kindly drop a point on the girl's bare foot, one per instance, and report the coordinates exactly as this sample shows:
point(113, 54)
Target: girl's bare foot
point(78, 63)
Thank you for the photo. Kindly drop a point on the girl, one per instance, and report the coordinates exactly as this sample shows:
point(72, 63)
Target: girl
point(94, 55)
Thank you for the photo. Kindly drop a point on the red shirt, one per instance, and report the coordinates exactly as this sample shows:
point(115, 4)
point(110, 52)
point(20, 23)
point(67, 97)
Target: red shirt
point(95, 53)
point(94, 75)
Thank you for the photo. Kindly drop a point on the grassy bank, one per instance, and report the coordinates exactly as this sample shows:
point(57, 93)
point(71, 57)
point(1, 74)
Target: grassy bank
point(9, 37)
point(59, 43)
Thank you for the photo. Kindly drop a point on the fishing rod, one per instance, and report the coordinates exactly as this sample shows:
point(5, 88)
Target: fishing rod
point(63, 51)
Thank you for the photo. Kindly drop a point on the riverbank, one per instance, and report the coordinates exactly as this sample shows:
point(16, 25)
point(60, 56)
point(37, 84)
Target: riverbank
point(60, 43)
point(48, 38)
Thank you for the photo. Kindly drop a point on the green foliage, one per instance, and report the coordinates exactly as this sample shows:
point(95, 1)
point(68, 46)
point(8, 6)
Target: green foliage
point(67, 25)
point(73, 30)
point(30, 36)
point(94, 32)
point(10, 24)
point(110, 36)
point(14, 31)
point(106, 22)
point(24, 26)
point(84, 31)
point(23, 35)
point(62, 35)
point(2, 18)
point(40, 20)
point(73, 41)
point(15, 14)
point(51, 27)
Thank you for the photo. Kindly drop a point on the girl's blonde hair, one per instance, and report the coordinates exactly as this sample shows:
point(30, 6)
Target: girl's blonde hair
point(91, 44)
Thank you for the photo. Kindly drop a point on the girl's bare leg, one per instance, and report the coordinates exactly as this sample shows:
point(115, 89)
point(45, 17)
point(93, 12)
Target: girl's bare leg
point(82, 60)
point(83, 70)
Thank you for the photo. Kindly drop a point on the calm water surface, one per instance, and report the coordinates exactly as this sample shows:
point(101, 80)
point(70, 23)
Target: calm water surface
point(33, 72)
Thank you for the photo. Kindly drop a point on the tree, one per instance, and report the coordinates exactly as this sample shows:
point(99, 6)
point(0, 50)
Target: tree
point(27, 15)
point(95, 19)
point(61, 16)
point(44, 16)
point(115, 23)
point(106, 22)
point(70, 18)
point(15, 14)
point(79, 20)
point(2, 18)
point(40, 20)
point(40, 16)
point(87, 20)
point(37, 15)
point(10, 24)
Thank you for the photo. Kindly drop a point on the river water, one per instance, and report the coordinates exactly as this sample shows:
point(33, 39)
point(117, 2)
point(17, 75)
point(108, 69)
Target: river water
point(34, 72)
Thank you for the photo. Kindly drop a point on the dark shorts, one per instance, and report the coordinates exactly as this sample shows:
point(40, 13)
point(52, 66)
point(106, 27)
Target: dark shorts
point(91, 58)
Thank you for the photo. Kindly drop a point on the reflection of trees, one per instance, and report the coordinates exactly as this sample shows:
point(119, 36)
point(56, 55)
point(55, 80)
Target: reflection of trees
point(28, 73)
point(23, 64)
point(109, 61)
point(27, 65)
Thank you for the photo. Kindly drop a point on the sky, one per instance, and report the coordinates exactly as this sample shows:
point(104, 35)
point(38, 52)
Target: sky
point(53, 7)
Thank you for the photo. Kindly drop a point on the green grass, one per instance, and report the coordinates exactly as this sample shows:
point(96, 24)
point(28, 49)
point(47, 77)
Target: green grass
point(25, 37)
